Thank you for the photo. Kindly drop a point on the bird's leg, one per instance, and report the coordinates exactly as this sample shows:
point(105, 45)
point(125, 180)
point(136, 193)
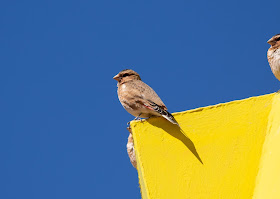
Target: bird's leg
point(137, 117)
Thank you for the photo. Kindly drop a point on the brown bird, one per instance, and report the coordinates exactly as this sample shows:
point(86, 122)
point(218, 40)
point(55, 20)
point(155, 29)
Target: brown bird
point(139, 99)
point(273, 55)
point(130, 150)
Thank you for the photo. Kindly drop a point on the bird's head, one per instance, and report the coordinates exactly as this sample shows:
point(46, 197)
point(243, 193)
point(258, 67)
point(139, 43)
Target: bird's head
point(126, 75)
point(274, 41)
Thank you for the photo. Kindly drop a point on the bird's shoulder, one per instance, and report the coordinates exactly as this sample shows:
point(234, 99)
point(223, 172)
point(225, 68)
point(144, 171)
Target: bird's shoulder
point(135, 85)
point(145, 91)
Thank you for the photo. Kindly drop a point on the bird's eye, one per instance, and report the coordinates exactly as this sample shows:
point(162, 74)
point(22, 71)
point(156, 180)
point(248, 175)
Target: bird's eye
point(125, 75)
point(277, 39)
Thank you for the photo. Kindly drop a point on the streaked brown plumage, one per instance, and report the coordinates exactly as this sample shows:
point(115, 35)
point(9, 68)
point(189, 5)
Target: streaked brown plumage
point(139, 99)
point(273, 55)
point(130, 150)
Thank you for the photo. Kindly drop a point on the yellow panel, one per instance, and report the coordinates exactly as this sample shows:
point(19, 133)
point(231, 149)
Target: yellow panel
point(268, 180)
point(219, 159)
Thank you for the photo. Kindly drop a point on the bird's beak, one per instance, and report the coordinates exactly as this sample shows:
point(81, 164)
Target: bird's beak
point(271, 41)
point(116, 77)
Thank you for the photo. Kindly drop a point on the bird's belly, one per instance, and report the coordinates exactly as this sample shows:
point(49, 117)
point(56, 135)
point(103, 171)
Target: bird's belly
point(131, 110)
point(274, 63)
point(136, 111)
point(275, 67)
point(133, 104)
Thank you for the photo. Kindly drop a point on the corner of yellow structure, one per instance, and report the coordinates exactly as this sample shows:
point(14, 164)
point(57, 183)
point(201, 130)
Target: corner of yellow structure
point(268, 179)
point(228, 152)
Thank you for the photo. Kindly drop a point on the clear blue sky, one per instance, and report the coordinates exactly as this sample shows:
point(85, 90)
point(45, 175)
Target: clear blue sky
point(63, 131)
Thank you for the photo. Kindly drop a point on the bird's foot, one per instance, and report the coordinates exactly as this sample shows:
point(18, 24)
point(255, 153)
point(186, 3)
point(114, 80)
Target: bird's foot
point(137, 118)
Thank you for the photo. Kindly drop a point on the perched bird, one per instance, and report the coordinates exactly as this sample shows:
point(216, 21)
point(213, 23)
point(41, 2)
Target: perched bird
point(139, 99)
point(273, 55)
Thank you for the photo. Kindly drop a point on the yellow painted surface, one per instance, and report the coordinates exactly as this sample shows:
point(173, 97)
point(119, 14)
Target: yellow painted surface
point(232, 151)
point(268, 180)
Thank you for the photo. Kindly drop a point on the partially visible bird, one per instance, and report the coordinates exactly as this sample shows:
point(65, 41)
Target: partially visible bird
point(139, 99)
point(130, 150)
point(273, 55)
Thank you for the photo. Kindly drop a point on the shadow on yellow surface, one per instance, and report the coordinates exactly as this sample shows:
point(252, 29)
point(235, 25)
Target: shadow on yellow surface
point(237, 141)
point(178, 133)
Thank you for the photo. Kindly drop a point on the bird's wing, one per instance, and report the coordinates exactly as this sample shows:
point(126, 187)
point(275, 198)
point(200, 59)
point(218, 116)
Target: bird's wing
point(147, 93)
point(163, 112)
point(148, 97)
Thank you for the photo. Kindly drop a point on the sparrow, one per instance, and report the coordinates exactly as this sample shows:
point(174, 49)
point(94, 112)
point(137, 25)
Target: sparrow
point(273, 55)
point(130, 150)
point(139, 99)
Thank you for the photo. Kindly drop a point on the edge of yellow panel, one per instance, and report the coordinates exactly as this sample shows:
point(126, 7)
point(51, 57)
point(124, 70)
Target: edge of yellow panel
point(219, 104)
point(142, 182)
point(268, 179)
point(141, 174)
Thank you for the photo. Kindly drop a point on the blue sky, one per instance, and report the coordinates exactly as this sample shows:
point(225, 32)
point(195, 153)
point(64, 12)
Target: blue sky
point(63, 131)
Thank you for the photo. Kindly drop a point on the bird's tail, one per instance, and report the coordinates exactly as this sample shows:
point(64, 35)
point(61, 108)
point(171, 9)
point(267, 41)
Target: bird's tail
point(164, 113)
point(169, 117)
